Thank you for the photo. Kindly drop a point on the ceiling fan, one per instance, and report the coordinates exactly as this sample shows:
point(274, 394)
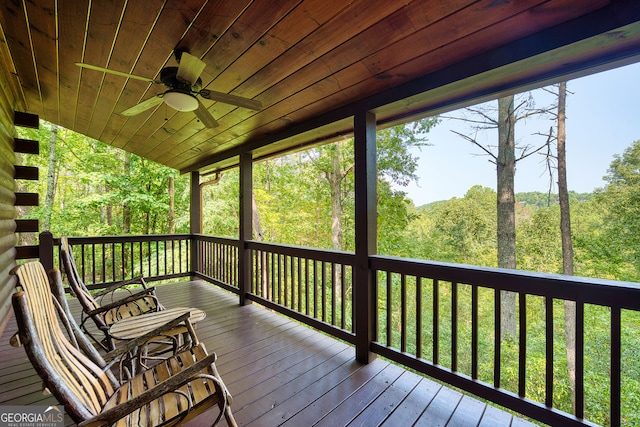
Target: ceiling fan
point(183, 86)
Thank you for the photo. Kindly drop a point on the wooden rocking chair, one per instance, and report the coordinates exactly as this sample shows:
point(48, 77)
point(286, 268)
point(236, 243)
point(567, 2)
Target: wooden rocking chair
point(173, 391)
point(104, 314)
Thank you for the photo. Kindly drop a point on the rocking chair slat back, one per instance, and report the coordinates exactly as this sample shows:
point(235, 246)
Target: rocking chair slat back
point(78, 287)
point(131, 305)
point(77, 378)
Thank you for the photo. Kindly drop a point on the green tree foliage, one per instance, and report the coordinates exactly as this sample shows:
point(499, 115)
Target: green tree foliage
point(619, 204)
point(220, 204)
point(463, 230)
point(93, 187)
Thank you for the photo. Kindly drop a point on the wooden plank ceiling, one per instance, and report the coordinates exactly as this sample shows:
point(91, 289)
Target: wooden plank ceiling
point(300, 58)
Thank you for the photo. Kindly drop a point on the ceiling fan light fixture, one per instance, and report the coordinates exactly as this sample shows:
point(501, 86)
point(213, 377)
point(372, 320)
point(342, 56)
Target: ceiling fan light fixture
point(180, 101)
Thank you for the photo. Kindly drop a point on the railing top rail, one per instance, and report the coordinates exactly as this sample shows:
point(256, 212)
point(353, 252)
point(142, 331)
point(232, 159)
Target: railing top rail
point(120, 239)
point(326, 255)
point(226, 240)
point(588, 290)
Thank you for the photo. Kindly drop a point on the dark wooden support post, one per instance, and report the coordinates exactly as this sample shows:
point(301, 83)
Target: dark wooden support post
point(45, 250)
point(246, 232)
point(365, 230)
point(195, 220)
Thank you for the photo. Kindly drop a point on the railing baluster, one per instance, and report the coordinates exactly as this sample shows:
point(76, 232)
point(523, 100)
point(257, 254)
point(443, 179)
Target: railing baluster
point(548, 400)
point(218, 260)
point(315, 289)
point(140, 259)
point(103, 267)
point(149, 259)
point(173, 257)
point(579, 359)
point(343, 293)
point(389, 309)
point(164, 251)
point(436, 321)
point(522, 350)
point(306, 286)
point(376, 310)
point(263, 274)
point(300, 285)
point(616, 355)
point(285, 273)
point(454, 326)
point(132, 265)
point(292, 281)
point(418, 317)
point(334, 284)
point(83, 256)
point(474, 332)
point(93, 262)
point(113, 261)
point(123, 257)
point(256, 277)
point(272, 278)
point(497, 338)
point(403, 313)
point(181, 269)
point(324, 291)
point(227, 264)
point(281, 297)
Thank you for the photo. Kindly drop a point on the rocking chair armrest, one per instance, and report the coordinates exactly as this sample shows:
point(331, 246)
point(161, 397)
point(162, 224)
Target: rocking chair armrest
point(118, 285)
point(167, 386)
point(138, 295)
point(131, 345)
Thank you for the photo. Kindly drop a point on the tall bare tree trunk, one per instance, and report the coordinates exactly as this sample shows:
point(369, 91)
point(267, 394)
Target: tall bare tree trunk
point(172, 208)
point(126, 209)
point(258, 235)
point(334, 176)
point(506, 218)
point(51, 178)
point(567, 243)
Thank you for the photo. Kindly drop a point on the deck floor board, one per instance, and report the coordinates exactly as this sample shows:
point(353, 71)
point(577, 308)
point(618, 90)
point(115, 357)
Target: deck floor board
point(281, 372)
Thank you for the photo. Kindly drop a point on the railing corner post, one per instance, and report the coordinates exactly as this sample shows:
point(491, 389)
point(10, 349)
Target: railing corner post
point(246, 231)
point(365, 231)
point(45, 249)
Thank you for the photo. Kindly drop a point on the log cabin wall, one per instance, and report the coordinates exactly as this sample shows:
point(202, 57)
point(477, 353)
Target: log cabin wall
point(7, 199)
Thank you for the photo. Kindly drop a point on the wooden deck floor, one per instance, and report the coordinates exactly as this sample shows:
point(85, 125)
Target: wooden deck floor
point(283, 373)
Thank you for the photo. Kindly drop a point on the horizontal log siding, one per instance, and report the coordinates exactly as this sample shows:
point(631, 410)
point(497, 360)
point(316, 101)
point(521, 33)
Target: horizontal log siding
point(7, 197)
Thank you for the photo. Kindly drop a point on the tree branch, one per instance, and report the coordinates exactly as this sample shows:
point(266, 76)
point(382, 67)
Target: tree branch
point(476, 143)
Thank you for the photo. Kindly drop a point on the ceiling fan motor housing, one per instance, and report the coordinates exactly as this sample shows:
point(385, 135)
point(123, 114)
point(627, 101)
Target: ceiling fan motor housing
point(170, 80)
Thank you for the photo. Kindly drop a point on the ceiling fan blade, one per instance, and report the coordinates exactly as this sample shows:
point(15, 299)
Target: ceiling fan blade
point(190, 68)
point(117, 73)
point(205, 116)
point(143, 106)
point(227, 98)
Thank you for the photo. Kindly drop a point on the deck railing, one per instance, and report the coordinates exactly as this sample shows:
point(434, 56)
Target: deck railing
point(437, 318)
point(444, 320)
point(311, 285)
point(217, 261)
point(104, 260)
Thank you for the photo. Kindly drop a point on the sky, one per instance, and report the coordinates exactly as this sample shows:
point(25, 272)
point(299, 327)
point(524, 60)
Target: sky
point(603, 119)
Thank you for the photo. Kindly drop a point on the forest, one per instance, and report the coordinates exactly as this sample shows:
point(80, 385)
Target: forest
point(99, 190)
point(307, 198)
